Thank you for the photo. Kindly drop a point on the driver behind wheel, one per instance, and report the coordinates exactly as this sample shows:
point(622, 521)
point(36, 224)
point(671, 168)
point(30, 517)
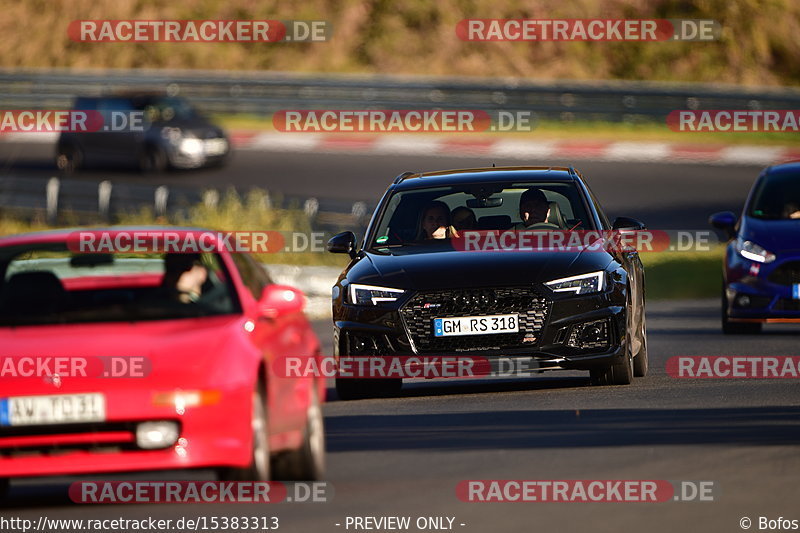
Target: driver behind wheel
point(534, 210)
point(184, 276)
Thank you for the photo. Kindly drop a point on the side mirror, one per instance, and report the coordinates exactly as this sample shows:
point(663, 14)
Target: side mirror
point(279, 300)
point(628, 224)
point(725, 221)
point(343, 243)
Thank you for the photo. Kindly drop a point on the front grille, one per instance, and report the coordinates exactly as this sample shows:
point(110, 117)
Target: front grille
point(419, 312)
point(53, 439)
point(786, 274)
point(785, 304)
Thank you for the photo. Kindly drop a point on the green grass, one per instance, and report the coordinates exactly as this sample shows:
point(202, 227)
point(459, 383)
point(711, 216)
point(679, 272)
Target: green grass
point(676, 275)
point(758, 44)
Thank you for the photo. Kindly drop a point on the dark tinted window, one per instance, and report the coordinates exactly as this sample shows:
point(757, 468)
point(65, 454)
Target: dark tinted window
point(114, 104)
point(86, 103)
point(776, 197)
point(166, 109)
point(494, 206)
point(48, 284)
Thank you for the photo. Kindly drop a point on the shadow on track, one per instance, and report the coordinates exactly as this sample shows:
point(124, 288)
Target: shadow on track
point(46, 492)
point(529, 428)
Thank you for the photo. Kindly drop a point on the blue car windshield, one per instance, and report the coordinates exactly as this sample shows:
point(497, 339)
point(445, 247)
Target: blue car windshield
point(777, 197)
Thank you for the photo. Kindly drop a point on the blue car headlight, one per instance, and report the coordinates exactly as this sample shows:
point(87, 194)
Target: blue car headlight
point(753, 252)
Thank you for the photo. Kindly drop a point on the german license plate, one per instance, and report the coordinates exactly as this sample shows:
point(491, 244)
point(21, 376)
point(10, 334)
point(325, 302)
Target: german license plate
point(475, 325)
point(56, 409)
point(216, 146)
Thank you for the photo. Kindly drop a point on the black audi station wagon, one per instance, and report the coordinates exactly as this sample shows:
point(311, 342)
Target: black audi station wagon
point(417, 287)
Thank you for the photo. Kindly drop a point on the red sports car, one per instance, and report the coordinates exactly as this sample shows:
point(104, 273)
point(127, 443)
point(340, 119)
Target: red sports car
point(116, 362)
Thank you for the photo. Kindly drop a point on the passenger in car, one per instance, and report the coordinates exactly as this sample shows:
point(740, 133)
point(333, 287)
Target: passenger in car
point(184, 276)
point(435, 222)
point(791, 211)
point(463, 219)
point(534, 210)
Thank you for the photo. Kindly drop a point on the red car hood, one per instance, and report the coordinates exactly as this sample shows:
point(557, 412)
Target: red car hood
point(173, 353)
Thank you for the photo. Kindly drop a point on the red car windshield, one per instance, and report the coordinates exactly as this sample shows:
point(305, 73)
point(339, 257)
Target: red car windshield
point(51, 285)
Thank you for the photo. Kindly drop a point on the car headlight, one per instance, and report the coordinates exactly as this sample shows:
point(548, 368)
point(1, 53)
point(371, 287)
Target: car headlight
point(753, 252)
point(582, 284)
point(191, 146)
point(372, 295)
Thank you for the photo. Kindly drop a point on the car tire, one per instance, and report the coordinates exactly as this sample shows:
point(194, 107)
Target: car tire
point(69, 158)
point(153, 160)
point(620, 373)
point(641, 362)
point(259, 468)
point(360, 389)
point(736, 328)
point(306, 463)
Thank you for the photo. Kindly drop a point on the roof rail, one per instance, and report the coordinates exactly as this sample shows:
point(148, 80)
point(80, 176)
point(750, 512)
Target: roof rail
point(572, 172)
point(403, 176)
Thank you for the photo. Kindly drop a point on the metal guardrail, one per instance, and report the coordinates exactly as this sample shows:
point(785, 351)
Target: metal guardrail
point(52, 197)
point(265, 93)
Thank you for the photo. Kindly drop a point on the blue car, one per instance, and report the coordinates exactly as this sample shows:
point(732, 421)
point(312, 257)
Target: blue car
point(761, 274)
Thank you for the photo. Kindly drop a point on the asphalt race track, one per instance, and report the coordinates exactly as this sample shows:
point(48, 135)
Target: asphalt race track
point(404, 456)
point(665, 196)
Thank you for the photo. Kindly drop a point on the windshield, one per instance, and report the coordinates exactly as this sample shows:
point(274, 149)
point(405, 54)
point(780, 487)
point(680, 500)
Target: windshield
point(168, 109)
point(51, 285)
point(436, 214)
point(777, 197)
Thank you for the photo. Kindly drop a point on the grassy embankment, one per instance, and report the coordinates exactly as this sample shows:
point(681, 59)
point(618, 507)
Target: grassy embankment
point(758, 44)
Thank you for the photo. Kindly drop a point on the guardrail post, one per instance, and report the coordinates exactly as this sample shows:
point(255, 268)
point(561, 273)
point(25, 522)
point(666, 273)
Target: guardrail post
point(311, 207)
point(211, 198)
point(104, 199)
point(53, 187)
point(359, 212)
point(161, 197)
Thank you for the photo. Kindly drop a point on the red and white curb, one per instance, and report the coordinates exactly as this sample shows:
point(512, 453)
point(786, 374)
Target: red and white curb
point(529, 150)
point(468, 146)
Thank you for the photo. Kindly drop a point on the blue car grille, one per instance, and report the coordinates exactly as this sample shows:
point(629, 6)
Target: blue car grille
point(786, 274)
